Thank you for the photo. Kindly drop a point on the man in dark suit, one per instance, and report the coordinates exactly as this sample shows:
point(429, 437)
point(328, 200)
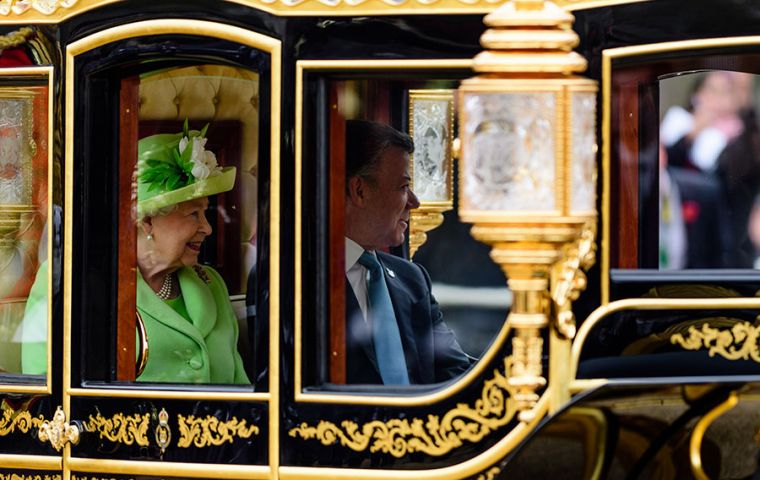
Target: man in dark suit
point(395, 330)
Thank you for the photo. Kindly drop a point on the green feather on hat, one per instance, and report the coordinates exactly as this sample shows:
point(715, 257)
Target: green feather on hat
point(175, 167)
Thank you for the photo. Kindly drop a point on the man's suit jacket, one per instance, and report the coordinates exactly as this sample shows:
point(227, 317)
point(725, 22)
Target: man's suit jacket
point(431, 350)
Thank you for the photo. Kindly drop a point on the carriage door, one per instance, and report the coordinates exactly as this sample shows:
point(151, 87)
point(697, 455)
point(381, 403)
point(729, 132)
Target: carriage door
point(144, 403)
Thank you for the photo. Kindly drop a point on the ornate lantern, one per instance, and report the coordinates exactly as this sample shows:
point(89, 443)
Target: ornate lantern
point(528, 173)
point(431, 114)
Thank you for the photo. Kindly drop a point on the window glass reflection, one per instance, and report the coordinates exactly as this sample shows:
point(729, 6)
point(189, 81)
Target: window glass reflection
point(709, 171)
point(24, 219)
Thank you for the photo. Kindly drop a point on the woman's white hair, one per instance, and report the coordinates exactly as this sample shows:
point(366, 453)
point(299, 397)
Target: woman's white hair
point(163, 211)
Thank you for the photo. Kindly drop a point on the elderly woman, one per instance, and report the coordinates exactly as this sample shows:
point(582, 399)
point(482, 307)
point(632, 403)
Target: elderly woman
point(191, 327)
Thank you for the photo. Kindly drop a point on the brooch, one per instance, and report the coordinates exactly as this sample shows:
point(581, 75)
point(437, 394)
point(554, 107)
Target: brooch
point(201, 273)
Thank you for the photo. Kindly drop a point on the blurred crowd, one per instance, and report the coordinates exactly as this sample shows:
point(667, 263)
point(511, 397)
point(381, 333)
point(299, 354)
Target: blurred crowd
point(710, 176)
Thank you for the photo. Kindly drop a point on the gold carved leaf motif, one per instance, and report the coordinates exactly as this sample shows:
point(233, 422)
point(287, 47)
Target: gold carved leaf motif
point(435, 436)
point(738, 342)
point(82, 477)
point(203, 432)
point(489, 474)
point(15, 476)
point(45, 7)
point(21, 420)
point(121, 428)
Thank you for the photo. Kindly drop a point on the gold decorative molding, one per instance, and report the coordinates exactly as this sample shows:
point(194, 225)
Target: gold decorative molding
point(736, 343)
point(45, 7)
point(422, 220)
point(121, 428)
point(568, 279)
point(58, 431)
point(15, 476)
point(203, 432)
point(489, 474)
point(53, 11)
point(435, 436)
point(21, 420)
point(84, 477)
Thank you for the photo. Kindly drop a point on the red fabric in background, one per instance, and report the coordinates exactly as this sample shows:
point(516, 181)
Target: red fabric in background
point(14, 57)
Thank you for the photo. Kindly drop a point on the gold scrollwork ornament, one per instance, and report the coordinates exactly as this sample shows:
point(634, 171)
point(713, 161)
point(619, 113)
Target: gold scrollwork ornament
point(435, 436)
point(58, 432)
point(740, 342)
point(202, 432)
point(489, 474)
point(15, 476)
point(23, 421)
point(163, 433)
point(568, 278)
point(121, 428)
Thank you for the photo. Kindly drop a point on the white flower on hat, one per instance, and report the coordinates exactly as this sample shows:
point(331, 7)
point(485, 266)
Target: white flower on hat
point(204, 161)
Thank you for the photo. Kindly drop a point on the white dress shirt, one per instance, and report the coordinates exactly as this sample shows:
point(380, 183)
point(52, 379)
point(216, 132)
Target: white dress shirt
point(357, 274)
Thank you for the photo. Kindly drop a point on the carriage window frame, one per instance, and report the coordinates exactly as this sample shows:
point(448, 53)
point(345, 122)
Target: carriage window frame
point(14, 79)
point(618, 283)
point(75, 382)
point(413, 395)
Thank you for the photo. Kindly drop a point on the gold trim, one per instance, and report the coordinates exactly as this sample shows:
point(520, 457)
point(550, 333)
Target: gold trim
point(31, 462)
point(42, 72)
point(204, 432)
point(302, 66)
point(736, 343)
point(608, 56)
point(170, 394)
point(646, 304)
point(81, 477)
point(695, 443)
point(435, 436)
point(470, 467)
point(120, 428)
point(21, 420)
point(142, 334)
point(15, 476)
point(61, 10)
point(171, 469)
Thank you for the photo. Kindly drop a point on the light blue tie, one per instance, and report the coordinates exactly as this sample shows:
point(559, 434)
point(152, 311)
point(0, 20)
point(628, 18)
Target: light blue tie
point(385, 333)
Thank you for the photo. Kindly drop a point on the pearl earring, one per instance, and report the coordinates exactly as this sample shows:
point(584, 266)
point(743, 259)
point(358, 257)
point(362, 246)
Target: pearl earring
point(150, 236)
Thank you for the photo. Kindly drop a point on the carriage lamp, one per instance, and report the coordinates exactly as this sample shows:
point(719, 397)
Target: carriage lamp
point(528, 174)
point(431, 114)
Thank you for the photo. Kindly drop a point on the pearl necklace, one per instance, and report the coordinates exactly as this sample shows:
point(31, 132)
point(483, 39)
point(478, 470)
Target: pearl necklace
point(166, 288)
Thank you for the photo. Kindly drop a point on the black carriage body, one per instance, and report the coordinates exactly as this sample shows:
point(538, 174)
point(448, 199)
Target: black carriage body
point(630, 398)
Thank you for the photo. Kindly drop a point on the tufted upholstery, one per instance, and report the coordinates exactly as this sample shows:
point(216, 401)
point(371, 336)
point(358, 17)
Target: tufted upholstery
point(206, 92)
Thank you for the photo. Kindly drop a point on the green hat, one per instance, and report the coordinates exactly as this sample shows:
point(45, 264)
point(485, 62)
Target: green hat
point(175, 167)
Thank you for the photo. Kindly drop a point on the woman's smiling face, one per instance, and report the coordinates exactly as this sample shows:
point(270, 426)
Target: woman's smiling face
point(177, 237)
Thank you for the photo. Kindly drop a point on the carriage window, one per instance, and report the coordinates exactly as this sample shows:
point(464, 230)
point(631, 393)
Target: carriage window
point(196, 223)
point(27, 220)
point(709, 174)
point(413, 299)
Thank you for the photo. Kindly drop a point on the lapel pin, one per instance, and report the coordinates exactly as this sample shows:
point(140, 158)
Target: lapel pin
point(391, 273)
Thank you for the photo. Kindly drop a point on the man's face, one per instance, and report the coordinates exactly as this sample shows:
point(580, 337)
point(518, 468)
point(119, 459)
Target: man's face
point(389, 199)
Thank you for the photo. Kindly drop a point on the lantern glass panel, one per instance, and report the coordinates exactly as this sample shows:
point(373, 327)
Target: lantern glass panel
point(583, 185)
point(510, 146)
point(431, 126)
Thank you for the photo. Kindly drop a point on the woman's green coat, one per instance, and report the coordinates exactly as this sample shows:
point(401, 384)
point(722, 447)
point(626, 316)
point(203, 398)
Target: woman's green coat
point(201, 351)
